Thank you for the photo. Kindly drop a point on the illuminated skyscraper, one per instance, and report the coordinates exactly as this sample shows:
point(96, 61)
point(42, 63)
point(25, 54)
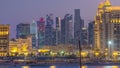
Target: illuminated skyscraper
point(78, 24)
point(23, 30)
point(4, 39)
point(107, 26)
point(41, 32)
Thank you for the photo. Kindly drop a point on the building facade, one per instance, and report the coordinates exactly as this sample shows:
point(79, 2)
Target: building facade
point(34, 33)
point(22, 30)
point(91, 34)
point(4, 39)
point(84, 36)
point(78, 24)
point(66, 29)
point(58, 30)
point(20, 47)
point(49, 27)
point(41, 32)
point(106, 29)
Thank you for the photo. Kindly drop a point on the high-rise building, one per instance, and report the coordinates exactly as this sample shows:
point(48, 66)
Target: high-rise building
point(84, 36)
point(58, 30)
point(91, 33)
point(34, 33)
point(49, 27)
point(41, 32)
point(66, 29)
point(4, 39)
point(23, 30)
point(78, 24)
point(107, 26)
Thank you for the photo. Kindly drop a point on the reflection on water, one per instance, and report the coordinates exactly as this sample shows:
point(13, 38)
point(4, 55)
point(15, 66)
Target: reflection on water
point(111, 66)
point(115, 67)
point(25, 67)
point(84, 66)
point(4, 66)
point(53, 66)
point(59, 66)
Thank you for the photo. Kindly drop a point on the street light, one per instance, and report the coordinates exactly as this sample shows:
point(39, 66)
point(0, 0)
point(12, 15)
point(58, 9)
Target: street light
point(80, 49)
point(109, 46)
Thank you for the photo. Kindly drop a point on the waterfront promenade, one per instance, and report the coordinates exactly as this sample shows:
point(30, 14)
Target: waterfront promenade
point(48, 61)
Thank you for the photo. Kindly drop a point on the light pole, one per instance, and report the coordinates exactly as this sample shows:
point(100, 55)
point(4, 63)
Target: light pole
point(109, 46)
point(80, 49)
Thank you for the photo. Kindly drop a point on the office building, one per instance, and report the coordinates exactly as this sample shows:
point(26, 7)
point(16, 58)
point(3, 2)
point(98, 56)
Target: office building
point(66, 29)
point(34, 33)
point(22, 30)
point(4, 39)
point(49, 26)
point(41, 32)
point(78, 24)
point(58, 30)
point(91, 33)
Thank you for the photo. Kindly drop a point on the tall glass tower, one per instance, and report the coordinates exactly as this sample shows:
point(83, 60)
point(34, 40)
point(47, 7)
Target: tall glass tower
point(33, 32)
point(78, 24)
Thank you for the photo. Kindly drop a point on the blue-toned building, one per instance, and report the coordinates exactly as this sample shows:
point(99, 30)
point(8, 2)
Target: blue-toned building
point(84, 36)
point(58, 30)
point(91, 33)
point(49, 30)
point(41, 32)
point(33, 32)
point(66, 29)
point(78, 25)
point(22, 30)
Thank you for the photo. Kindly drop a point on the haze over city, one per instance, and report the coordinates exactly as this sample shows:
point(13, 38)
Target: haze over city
point(16, 11)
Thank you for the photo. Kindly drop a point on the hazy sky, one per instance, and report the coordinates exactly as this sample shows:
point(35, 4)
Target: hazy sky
point(15, 11)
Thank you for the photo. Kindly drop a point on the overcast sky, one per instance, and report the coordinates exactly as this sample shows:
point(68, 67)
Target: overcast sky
point(15, 11)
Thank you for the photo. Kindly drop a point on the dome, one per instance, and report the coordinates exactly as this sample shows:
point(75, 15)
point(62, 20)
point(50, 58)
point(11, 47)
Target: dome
point(101, 5)
point(107, 3)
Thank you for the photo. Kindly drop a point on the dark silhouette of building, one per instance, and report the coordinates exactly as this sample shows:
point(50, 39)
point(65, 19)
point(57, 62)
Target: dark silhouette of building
point(78, 24)
point(58, 30)
point(49, 30)
point(66, 29)
point(91, 33)
point(84, 36)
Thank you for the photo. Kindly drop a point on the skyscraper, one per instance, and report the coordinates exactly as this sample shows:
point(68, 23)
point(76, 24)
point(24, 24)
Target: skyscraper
point(4, 39)
point(49, 27)
point(66, 29)
point(84, 36)
point(106, 29)
point(34, 33)
point(41, 32)
point(58, 30)
point(23, 30)
point(91, 33)
point(78, 24)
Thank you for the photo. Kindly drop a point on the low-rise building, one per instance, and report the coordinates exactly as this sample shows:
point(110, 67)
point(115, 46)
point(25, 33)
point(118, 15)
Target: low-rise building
point(20, 46)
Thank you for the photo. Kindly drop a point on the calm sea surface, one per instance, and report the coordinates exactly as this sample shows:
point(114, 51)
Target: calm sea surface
point(59, 66)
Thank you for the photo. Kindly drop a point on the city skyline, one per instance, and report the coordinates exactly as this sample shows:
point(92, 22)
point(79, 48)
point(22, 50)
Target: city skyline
point(14, 12)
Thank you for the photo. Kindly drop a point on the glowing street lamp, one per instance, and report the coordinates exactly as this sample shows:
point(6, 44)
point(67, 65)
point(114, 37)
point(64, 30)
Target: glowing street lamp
point(109, 46)
point(109, 42)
